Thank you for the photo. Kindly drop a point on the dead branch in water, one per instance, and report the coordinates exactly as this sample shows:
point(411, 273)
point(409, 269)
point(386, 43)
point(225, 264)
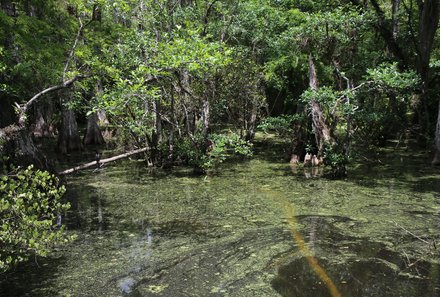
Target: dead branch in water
point(412, 234)
point(103, 161)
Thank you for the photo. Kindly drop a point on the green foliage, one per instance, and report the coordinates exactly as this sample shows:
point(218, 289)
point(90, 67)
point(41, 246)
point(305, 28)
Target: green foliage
point(208, 154)
point(190, 150)
point(224, 146)
point(335, 157)
point(337, 106)
point(283, 125)
point(163, 69)
point(30, 201)
point(386, 78)
point(34, 46)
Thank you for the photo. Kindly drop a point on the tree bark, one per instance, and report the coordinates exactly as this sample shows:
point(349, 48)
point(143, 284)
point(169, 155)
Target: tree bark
point(43, 124)
point(205, 116)
point(15, 139)
point(250, 133)
point(429, 19)
point(395, 15)
point(436, 160)
point(187, 96)
point(27, 152)
point(171, 139)
point(93, 134)
point(102, 118)
point(321, 128)
point(103, 161)
point(69, 139)
point(156, 135)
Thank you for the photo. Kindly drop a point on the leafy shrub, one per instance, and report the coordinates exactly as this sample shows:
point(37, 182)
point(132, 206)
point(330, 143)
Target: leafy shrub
point(209, 153)
point(387, 77)
point(224, 146)
point(337, 159)
point(190, 150)
point(281, 125)
point(29, 206)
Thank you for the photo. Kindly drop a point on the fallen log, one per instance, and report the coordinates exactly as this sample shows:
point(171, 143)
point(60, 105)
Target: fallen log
point(103, 161)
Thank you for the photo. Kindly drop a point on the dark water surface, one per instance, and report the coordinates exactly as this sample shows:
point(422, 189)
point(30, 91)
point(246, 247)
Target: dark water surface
point(144, 232)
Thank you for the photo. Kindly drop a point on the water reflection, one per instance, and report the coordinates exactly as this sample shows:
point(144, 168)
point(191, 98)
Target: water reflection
point(313, 172)
point(307, 172)
point(126, 285)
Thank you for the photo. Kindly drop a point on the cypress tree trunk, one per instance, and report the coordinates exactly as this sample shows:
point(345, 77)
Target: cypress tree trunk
point(156, 135)
point(321, 128)
point(323, 131)
point(436, 160)
point(27, 152)
point(205, 117)
point(171, 137)
point(102, 117)
point(16, 142)
point(43, 125)
point(69, 139)
point(429, 19)
point(250, 133)
point(93, 134)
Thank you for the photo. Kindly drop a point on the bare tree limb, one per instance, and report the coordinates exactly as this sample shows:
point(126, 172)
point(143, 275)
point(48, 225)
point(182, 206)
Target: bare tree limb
point(72, 50)
point(103, 161)
point(410, 233)
point(25, 107)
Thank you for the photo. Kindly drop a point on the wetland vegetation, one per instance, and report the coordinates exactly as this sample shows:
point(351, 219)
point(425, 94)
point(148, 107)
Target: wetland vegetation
point(219, 148)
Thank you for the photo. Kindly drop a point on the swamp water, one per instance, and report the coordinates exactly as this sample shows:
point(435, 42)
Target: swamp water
point(258, 228)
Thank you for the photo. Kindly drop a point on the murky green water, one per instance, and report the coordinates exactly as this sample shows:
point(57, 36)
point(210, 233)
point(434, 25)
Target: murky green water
point(144, 232)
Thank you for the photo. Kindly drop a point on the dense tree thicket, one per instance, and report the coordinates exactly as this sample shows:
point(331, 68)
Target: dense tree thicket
point(171, 75)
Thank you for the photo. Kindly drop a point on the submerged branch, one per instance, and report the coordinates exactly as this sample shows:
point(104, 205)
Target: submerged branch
point(412, 234)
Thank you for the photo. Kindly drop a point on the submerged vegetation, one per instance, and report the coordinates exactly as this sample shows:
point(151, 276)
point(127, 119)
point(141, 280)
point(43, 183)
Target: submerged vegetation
point(172, 74)
point(155, 232)
point(207, 86)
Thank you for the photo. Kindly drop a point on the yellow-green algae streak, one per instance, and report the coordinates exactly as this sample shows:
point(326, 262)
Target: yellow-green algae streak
point(313, 263)
point(144, 232)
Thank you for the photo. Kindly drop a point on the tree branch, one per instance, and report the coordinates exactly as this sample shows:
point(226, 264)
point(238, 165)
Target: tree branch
point(25, 107)
point(72, 50)
point(205, 18)
point(103, 161)
point(387, 35)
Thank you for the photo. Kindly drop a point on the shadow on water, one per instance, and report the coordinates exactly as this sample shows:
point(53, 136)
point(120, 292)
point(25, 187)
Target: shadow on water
point(87, 212)
point(35, 278)
point(367, 277)
point(360, 277)
point(412, 170)
point(358, 266)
